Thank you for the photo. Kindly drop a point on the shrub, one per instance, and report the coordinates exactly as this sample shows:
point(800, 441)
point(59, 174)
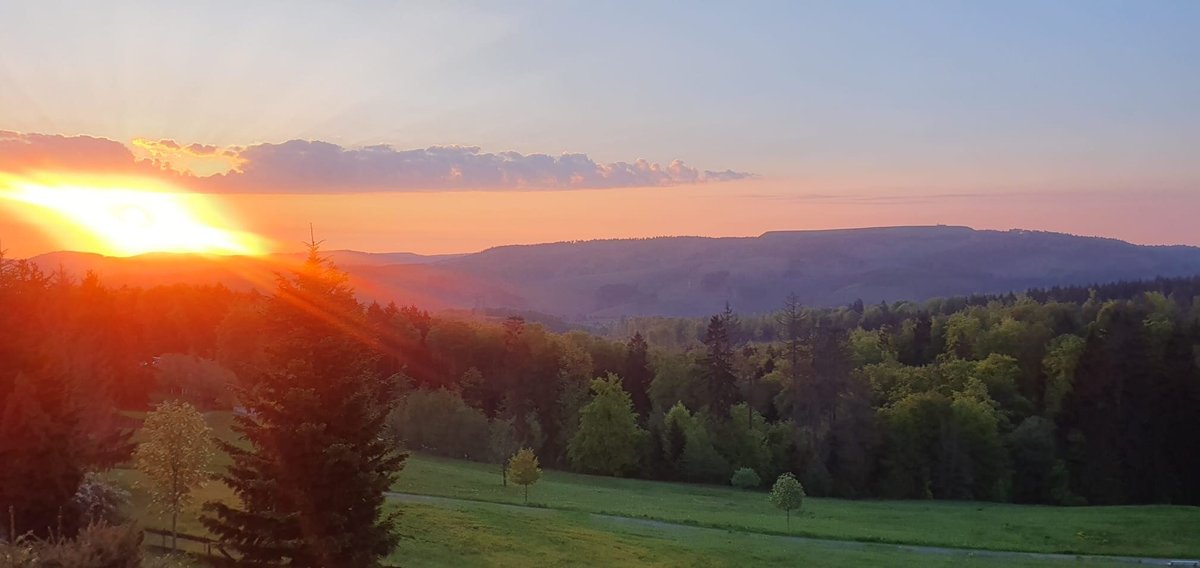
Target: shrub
point(745, 478)
point(96, 546)
point(439, 422)
point(99, 501)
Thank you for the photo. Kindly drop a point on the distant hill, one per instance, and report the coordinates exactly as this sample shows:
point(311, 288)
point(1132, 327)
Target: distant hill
point(688, 276)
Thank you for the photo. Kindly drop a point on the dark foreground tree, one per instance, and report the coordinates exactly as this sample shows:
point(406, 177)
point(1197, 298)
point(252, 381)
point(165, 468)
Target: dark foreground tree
point(312, 477)
point(47, 447)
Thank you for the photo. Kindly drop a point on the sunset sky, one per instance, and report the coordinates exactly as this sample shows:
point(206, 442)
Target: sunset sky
point(453, 126)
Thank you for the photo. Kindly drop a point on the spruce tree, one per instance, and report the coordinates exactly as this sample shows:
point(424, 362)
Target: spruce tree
point(46, 448)
point(312, 475)
point(719, 379)
point(637, 374)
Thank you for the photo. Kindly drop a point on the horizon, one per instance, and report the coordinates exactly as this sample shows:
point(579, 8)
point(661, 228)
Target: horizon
point(330, 250)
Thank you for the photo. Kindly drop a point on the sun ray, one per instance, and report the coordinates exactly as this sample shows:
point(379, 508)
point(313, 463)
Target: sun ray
point(125, 216)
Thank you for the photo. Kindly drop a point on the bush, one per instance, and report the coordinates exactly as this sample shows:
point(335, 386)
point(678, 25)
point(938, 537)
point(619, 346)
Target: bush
point(100, 501)
point(745, 478)
point(439, 422)
point(96, 546)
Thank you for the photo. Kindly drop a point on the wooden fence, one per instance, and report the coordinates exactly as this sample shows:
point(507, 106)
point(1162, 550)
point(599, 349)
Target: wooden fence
point(204, 547)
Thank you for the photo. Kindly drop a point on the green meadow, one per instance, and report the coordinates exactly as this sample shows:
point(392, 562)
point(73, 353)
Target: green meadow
point(470, 519)
point(1162, 531)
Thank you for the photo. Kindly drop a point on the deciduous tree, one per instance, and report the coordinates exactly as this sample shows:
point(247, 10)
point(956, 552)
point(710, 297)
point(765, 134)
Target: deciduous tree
point(176, 451)
point(608, 436)
point(787, 494)
point(524, 470)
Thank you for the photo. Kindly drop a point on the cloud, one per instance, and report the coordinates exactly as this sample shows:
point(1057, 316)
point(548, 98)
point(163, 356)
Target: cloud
point(303, 166)
point(194, 160)
point(21, 153)
point(311, 166)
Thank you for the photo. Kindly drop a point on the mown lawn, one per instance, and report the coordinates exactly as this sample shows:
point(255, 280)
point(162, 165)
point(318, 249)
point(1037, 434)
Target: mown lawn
point(1160, 531)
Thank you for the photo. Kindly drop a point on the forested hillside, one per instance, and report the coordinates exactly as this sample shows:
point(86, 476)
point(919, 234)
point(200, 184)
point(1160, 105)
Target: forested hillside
point(1062, 396)
point(601, 281)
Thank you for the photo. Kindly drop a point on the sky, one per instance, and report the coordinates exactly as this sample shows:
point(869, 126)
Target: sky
point(453, 126)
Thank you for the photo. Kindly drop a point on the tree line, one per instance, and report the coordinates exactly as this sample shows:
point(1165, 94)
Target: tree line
point(1068, 396)
point(1020, 398)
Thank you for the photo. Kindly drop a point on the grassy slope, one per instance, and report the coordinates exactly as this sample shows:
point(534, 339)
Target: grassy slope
point(1135, 531)
point(484, 534)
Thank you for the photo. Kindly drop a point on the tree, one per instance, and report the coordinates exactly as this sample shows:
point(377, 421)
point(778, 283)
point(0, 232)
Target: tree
point(439, 422)
point(608, 437)
point(787, 494)
point(745, 478)
point(720, 381)
point(312, 476)
point(523, 469)
point(46, 452)
point(791, 320)
point(637, 374)
point(1059, 364)
point(175, 454)
point(201, 381)
point(674, 434)
point(502, 443)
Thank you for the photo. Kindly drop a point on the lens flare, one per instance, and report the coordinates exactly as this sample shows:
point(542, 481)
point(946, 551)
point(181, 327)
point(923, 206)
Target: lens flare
point(125, 216)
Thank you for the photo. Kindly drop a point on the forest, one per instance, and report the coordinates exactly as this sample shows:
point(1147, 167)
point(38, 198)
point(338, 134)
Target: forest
point(1070, 396)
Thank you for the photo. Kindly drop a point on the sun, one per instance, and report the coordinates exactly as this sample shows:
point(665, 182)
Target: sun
point(124, 217)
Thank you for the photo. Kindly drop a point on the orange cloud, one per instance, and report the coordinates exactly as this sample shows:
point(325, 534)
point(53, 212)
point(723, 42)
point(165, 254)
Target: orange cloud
point(199, 160)
point(302, 166)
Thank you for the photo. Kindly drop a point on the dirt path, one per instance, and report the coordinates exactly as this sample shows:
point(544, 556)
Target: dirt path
point(833, 543)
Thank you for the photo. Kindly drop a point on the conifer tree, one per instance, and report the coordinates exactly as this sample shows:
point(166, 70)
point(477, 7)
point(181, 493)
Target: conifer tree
point(637, 374)
point(719, 378)
point(312, 478)
point(46, 449)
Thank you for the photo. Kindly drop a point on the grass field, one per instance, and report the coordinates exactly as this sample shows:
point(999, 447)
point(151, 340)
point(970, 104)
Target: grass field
point(489, 534)
point(728, 527)
point(486, 534)
point(1133, 531)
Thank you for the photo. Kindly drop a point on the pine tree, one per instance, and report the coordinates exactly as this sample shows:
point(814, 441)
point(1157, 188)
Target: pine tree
point(719, 379)
point(791, 320)
point(46, 449)
point(27, 447)
point(311, 482)
point(638, 374)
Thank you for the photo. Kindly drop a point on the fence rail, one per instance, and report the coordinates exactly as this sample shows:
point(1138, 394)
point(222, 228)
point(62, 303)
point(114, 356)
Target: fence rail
point(164, 542)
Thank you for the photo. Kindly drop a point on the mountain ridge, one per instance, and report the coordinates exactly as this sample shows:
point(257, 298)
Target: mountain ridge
point(693, 275)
